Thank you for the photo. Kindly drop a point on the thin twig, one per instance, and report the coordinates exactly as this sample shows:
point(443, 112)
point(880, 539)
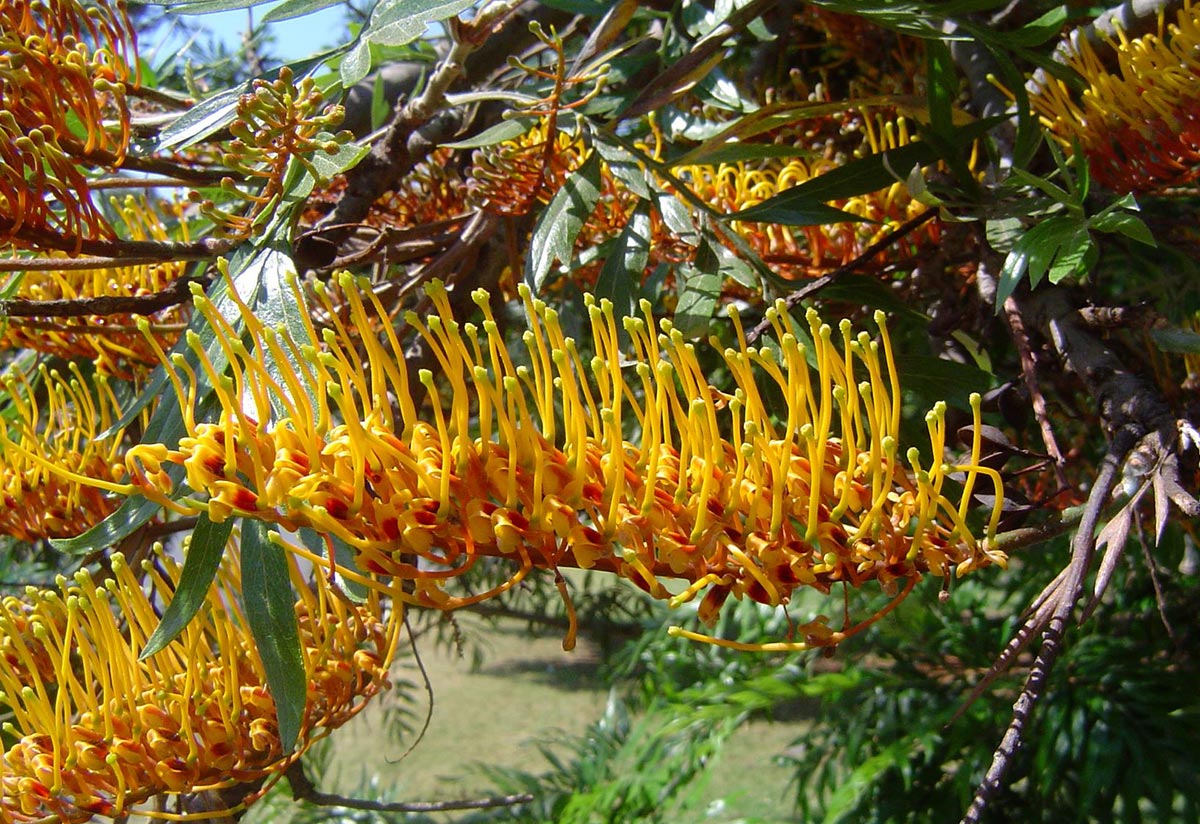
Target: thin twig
point(1020, 338)
point(119, 252)
point(160, 181)
point(304, 790)
point(811, 288)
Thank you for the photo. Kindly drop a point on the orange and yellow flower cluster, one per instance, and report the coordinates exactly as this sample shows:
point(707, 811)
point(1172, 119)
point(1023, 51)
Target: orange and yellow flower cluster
point(112, 341)
point(63, 431)
point(627, 460)
point(1138, 126)
point(96, 730)
point(63, 69)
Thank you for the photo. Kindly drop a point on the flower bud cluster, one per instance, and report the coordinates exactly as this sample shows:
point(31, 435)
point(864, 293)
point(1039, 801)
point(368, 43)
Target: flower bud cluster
point(277, 122)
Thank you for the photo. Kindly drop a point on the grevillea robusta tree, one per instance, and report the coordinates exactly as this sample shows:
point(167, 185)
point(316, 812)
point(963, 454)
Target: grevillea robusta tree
point(855, 328)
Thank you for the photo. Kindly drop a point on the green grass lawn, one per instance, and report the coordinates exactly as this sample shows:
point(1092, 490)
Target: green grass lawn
point(526, 690)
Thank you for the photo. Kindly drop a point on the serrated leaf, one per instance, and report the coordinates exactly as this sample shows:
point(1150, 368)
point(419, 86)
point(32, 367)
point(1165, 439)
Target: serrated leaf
point(1072, 253)
point(698, 298)
point(270, 607)
point(621, 276)
point(1003, 233)
point(289, 9)
point(200, 565)
point(560, 223)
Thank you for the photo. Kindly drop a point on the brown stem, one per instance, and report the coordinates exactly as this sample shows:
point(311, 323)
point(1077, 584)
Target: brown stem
point(178, 292)
point(120, 252)
point(1020, 338)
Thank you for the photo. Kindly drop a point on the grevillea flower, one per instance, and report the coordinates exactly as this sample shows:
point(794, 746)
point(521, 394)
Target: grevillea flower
point(63, 67)
point(94, 730)
point(61, 424)
point(732, 187)
point(1139, 126)
point(111, 341)
point(533, 463)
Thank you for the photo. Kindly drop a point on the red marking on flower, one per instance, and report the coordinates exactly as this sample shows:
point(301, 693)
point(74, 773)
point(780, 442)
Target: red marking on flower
point(245, 500)
point(337, 508)
point(391, 528)
point(758, 592)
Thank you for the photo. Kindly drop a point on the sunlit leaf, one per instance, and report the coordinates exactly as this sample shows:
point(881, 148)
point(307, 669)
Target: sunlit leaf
point(560, 223)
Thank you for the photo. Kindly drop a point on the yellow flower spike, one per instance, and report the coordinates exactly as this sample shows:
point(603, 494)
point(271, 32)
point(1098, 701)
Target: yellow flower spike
point(534, 465)
point(201, 707)
point(1136, 124)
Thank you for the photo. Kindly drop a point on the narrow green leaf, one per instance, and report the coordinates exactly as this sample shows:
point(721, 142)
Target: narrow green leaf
point(1036, 32)
point(560, 223)
point(797, 214)
point(347, 156)
point(942, 83)
point(625, 168)
point(399, 22)
point(1043, 242)
point(857, 177)
point(934, 379)
point(205, 550)
point(208, 6)
point(203, 119)
point(315, 543)
point(128, 517)
point(621, 277)
point(676, 216)
point(269, 603)
point(697, 301)
point(297, 8)
point(504, 130)
point(1175, 339)
point(740, 152)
